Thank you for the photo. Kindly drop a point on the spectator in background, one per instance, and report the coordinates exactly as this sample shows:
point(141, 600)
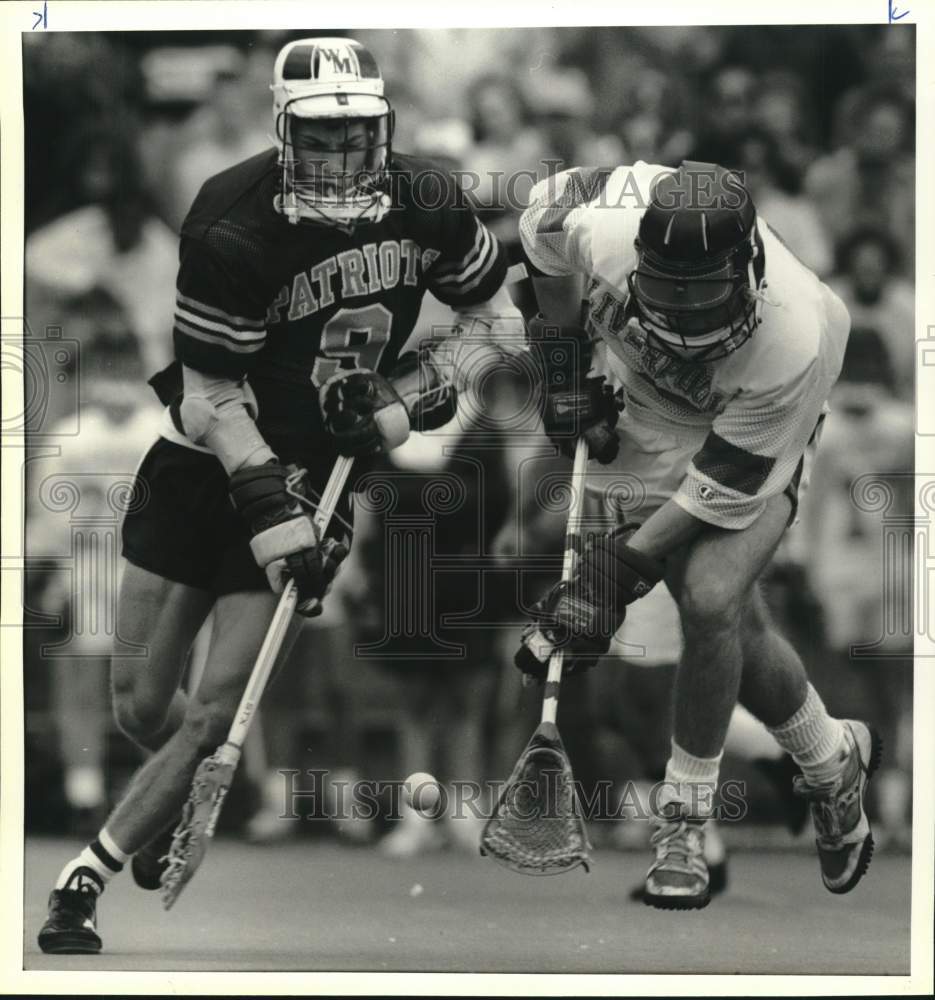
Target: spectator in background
point(791, 215)
point(887, 61)
point(73, 82)
point(563, 105)
point(879, 301)
point(508, 156)
point(726, 116)
point(871, 180)
point(116, 427)
point(651, 115)
point(444, 601)
point(781, 110)
point(227, 128)
point(657, 125)
point(893, 60)
point(114, 242)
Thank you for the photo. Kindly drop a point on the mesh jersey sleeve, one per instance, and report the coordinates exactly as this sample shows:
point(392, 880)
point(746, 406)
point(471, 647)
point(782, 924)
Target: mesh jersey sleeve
point(752, 452)
point(472, 264)
point(550, 229)
point(220, 316)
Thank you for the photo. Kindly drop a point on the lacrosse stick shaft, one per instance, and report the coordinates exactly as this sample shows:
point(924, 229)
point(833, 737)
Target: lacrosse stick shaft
point(279, 626)
point(572, 535)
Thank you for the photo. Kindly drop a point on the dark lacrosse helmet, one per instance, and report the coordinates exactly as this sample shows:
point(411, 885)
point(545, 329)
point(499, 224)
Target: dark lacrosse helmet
point(697, 288)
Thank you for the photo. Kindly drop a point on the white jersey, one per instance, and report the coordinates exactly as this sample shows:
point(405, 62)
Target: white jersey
point(753, 412)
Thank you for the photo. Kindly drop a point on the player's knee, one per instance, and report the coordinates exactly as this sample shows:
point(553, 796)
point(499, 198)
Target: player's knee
point(710, 606)
point(137, 716)
point(206, 724)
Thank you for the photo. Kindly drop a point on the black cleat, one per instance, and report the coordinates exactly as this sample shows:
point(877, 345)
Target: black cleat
point(71, 927)
point(151, 861)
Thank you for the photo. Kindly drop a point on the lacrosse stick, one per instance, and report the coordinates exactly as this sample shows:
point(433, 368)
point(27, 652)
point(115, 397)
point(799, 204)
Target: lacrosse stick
point(215, 774)
point(536, 827)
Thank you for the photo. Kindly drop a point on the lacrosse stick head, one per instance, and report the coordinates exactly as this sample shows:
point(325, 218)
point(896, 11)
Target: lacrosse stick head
point(200, 813)
point(536, 827)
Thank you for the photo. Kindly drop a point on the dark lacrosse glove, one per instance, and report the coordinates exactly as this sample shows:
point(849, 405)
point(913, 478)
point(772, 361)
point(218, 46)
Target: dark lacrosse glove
point(582, 616)
point(274, 501)
point(363, 413)
point(571, 404)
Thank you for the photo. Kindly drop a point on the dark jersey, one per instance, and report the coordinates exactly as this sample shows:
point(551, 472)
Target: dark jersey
point(291, 305)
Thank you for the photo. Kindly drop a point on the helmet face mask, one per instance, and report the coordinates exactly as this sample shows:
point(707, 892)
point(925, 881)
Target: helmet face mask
point(334, 162)
point(695, 316)
point(696, 287)
point(334, 130)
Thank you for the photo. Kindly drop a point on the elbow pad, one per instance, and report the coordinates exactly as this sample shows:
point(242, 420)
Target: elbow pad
point(220, 414)
point(426, 390)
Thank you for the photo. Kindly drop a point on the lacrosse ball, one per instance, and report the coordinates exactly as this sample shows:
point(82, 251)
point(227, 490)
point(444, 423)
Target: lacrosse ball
point(422, 792)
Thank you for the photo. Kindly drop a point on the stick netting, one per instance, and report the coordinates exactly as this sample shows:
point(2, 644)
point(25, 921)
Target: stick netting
point(536, 827)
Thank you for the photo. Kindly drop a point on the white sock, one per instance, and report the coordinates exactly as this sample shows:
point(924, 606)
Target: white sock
point(815, 740)
point(749, 739)
point(104, 859)
point(690, 780)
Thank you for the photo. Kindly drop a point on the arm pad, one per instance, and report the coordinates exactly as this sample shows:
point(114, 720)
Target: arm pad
point(221, 414)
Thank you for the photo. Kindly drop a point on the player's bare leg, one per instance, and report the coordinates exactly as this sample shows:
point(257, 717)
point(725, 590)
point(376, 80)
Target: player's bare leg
point(159, 788)
point(161, 618)
point(714, 585)
point(713, 582)
point(732, 649)
point(148, 703)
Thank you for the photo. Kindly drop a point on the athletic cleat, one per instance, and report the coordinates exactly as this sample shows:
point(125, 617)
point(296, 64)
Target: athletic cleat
point(679, 878)
point(844, 839)
point(717, 883)
point(151, 861)
point(71, 926)
point(715, 856)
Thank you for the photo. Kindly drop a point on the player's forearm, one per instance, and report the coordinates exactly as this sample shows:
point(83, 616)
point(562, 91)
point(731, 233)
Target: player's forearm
point(220, 414)
point(668, 529)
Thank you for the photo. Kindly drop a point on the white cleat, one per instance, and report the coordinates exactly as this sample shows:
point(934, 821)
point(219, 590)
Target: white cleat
point(678, 879)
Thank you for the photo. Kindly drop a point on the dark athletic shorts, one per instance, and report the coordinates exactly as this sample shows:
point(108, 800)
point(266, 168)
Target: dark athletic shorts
point(182, 526)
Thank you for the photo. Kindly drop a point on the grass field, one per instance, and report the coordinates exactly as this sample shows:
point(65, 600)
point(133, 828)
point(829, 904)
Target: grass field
point(311, 907)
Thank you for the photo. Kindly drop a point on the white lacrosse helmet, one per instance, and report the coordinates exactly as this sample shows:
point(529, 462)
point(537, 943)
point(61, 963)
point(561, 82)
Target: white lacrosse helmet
point(336, 80)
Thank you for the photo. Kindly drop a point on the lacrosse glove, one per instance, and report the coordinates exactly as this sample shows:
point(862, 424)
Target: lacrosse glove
point(274, 501)
point(571, 404)
point(581, 615)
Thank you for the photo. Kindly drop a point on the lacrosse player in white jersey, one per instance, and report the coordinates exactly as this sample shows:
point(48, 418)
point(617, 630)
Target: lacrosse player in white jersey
point(722, 348)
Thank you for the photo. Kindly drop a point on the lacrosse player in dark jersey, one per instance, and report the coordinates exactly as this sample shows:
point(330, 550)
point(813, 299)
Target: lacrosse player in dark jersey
point(301, 275)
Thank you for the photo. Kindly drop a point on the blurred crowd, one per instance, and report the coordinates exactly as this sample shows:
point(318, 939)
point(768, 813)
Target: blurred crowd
point(820, 119)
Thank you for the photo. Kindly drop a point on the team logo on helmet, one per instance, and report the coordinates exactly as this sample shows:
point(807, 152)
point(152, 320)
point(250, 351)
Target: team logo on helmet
point(334, 127)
